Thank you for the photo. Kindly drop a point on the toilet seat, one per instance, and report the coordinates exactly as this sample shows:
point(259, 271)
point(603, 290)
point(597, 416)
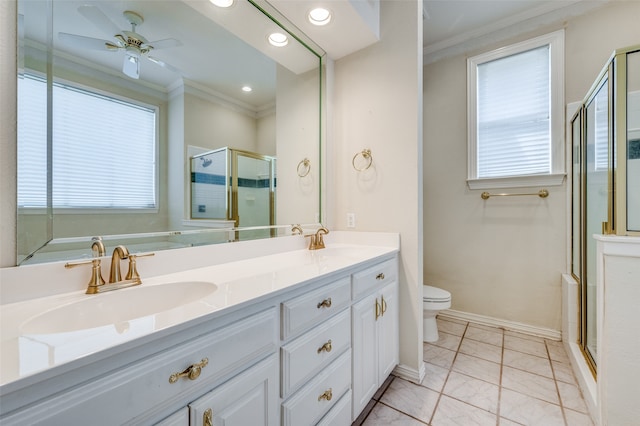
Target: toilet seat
point(435, 294)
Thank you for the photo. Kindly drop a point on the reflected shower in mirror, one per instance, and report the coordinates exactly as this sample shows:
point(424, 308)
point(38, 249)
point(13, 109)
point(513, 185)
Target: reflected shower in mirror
point(122, 89)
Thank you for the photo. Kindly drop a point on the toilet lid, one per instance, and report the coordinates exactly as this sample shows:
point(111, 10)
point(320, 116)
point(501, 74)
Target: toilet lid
point(434, 293)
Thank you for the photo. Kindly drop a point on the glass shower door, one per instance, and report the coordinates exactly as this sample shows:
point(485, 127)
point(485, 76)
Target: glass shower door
point(253, 193)
point(597, 166)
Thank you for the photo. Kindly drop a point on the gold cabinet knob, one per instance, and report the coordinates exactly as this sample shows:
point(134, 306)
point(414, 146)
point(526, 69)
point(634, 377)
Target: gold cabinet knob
point(192, 372)
point(326, 303)
point(327, 395)
point(326, 347)
point(207, 417)
point(380, 276)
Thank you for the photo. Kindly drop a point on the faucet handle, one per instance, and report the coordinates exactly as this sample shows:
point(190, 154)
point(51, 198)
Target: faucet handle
point(132, 273)
point(96, 279)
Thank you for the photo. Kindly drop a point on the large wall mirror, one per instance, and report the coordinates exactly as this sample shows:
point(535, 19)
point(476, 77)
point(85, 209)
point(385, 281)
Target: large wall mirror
point(115, 99)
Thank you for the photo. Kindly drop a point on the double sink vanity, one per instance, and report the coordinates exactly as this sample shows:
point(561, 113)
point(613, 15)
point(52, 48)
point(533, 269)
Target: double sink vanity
point(250, 333)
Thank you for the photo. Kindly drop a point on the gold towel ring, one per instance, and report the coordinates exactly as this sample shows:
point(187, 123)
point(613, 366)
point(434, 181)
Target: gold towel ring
point(366, 154)
point(306, 167)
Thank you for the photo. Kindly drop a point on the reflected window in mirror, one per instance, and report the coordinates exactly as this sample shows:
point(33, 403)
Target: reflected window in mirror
point(108, 163)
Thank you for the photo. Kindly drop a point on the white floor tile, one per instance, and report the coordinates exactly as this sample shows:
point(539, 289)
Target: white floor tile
point(530, 363)
point(451, 412)
point(530, 384)
point(448, 341)
point(381, 415)
point(528, 410)
point(438, 356)
point(486, 335)
point(475, 392)
point(478, 368)
point(481, 350)
point(414, 400)
point(451, 327)
point(525, 345)
point(435, 377)
point(571, 397)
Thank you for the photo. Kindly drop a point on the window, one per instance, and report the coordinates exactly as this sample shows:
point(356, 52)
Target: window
point(516, 112)
point(104, 149)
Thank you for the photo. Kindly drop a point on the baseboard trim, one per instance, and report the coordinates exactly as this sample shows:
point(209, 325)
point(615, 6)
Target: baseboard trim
point(546, 333)
point(410, 374)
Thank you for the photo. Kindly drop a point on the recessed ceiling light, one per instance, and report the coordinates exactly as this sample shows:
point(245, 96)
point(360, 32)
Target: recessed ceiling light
point(246, 89)
point(319, 16)
point(278, 39)
point(222, 3)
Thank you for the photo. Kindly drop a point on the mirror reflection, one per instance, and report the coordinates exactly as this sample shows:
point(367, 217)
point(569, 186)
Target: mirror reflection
point(117, 97)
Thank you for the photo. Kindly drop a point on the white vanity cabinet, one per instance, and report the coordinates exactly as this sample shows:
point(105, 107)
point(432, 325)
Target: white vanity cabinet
point(375, 331)
point(251, 398)
point(311, 352)
point(136, 393)
point(316, 365)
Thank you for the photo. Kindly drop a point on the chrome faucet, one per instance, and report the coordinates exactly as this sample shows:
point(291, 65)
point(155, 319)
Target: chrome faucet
point(316, 241)
point(96, 282)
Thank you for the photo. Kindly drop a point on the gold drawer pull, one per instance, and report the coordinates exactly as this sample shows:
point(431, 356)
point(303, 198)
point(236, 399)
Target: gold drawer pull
point(207, 417)
point(327, 395)
point(326, 347)
point(380, 276)
point(378, 309)
point(326, 303)
point(192, 372)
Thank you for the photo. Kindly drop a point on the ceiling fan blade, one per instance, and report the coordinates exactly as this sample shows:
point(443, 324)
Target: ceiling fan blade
point(84, 42)
point(99, 19)
point(163, 44)
point(131, 66)
point(162, 64)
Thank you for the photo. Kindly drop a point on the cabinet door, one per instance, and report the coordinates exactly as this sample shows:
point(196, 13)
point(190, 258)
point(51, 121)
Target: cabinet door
point(250, 398)
point(388, 346)
point(365, 352)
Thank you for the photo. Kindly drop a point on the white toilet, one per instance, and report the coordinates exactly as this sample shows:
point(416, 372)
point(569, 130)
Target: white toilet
point(434, 300)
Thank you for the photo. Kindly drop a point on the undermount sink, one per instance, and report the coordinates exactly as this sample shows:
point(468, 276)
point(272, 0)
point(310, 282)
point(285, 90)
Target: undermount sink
point(117, 307)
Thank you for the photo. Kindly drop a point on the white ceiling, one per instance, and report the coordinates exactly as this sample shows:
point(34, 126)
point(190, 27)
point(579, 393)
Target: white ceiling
point(456, 26)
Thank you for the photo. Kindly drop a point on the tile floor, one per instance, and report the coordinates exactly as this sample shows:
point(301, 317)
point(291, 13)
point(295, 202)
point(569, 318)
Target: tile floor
point(478, 375)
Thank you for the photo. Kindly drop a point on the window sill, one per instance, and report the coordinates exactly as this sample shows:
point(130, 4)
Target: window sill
point(556, 179)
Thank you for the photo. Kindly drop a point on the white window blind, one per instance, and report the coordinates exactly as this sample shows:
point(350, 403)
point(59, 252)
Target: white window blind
point(515, 109)
point(514, 115)
point(104, 149)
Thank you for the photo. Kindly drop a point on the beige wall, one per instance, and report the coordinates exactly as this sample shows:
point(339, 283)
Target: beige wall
point(377, 102)
point(7, 133)
point(503, 258)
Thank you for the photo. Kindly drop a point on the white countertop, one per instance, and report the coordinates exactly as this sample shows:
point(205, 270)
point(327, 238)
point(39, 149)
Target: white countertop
point(27, 350)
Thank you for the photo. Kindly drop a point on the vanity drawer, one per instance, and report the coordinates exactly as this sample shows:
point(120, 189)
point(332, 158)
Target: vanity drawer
point(316, 398)
point(303, 312)
point(375, 277)
point(305, 356)
point(136, 392)
point(340, 414)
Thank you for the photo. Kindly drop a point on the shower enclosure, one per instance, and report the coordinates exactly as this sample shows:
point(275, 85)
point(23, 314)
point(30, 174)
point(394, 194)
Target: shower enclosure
point(605, 177)
point(235, 185)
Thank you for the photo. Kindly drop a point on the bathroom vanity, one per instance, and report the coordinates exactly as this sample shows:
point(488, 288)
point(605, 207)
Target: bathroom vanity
point(293, 338)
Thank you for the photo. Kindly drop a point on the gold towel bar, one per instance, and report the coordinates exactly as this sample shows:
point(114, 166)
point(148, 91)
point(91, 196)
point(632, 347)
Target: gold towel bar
point(543, 193)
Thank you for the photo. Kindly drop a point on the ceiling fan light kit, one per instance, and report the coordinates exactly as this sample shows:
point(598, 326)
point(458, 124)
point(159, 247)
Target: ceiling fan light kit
point(131, 42)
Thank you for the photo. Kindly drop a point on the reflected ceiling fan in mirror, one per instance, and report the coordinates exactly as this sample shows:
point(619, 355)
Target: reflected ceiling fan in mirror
point(132, 43)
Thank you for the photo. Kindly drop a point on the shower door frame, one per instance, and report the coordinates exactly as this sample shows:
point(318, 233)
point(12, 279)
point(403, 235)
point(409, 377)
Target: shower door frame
point(234, 188)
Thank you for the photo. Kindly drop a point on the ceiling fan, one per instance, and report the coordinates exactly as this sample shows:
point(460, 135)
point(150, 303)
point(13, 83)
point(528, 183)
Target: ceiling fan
point(132, 43)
